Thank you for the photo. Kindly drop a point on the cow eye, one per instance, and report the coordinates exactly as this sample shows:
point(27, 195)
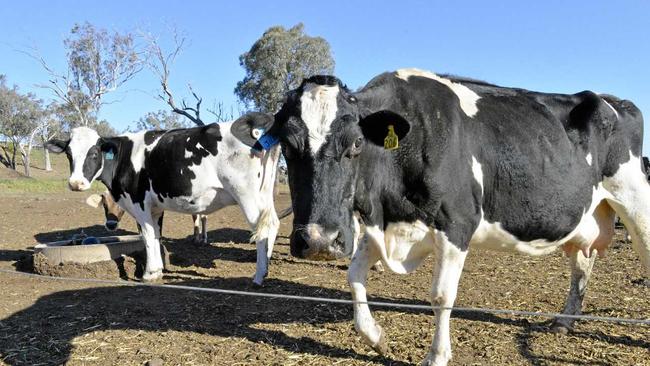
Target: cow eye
point(358, 142)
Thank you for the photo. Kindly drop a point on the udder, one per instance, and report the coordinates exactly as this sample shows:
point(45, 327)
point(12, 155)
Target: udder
point(594, 232)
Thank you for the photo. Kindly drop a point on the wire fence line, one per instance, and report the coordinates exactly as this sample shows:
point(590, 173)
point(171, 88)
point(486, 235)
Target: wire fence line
point(383, 304)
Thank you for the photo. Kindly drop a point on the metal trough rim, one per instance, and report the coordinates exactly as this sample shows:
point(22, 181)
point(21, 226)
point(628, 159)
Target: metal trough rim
point(110, 248)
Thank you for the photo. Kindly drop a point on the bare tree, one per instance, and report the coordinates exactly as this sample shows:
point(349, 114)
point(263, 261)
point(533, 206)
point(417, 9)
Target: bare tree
point(50, 127)
point(159, 62)
point(97, 63)
point(19, 116)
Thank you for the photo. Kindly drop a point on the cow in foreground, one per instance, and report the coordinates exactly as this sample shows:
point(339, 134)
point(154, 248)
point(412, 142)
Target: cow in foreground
point(442, 164)
point(195, 171)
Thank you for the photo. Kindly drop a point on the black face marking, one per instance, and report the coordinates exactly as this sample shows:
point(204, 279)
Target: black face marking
point(530, 146)
point(92, 163)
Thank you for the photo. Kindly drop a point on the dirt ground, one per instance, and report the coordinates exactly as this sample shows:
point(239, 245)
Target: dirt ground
point(45, 322)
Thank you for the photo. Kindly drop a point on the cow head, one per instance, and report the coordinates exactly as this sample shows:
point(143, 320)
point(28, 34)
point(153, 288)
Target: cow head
point(323, 131)
point(112, 211)
point(86, 152)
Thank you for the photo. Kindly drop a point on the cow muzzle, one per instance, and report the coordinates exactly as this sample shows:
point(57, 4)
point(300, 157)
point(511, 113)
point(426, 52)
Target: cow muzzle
point(316, 243)
point(78, 184)
point(111, 225)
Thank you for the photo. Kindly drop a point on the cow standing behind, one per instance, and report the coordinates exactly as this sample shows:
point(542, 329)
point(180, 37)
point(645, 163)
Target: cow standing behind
point(113, 214)
point(438, 165)
point(195, 171)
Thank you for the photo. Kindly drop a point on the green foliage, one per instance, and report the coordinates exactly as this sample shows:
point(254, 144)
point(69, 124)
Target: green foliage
point(278, 62)
point(161, 120)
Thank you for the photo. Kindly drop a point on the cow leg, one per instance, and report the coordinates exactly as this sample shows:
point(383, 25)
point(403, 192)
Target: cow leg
point(265, 224)
point(197, 234)
point(358, 237)
point(362, 259)
point(204, 228)
point(632, 203)
point(580, 273)
point(449, 261)
point(150, 231)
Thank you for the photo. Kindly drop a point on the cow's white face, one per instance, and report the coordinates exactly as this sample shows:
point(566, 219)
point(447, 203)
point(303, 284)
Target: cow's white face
point(83, 147)
point(84, 155)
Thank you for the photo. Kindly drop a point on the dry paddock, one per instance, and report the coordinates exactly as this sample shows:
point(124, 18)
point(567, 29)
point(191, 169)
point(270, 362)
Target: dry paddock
point(45, 322)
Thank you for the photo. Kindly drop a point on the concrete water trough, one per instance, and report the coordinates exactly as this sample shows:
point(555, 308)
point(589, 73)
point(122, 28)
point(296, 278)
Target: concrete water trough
point(109, 248)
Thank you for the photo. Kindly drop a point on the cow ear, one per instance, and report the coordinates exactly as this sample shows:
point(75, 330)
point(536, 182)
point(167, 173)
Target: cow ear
point(94, 200)
point(56, 146)
point(109, 149)
point(384, 128)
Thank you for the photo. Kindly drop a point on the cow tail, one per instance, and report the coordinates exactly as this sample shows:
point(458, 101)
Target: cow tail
point(268, 217)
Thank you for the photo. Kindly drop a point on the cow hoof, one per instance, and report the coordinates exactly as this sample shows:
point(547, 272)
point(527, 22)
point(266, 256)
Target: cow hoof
point(258, 280)
point(199, 242)
point(381, 347)
point(150, 277)
point(378, 267)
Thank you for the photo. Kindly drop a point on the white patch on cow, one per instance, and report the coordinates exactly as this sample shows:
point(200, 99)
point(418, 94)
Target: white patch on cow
point(81, 140)
point(631, 200)
point(318, 110)
point(467, 97)
point(137, 152)
point(612, 108)
point(199, 146)
point(403, 246)
point(588, 158)
point(188, 154)
point(477, 171)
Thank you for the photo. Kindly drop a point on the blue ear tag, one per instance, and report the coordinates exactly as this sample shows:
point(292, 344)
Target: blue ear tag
point(109, 155)
point(268, 141)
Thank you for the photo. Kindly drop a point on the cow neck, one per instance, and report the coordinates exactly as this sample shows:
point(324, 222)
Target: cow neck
point(110, 166)
point(380, 191)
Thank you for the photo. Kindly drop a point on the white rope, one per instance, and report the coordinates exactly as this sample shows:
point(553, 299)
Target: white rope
point(339, 301)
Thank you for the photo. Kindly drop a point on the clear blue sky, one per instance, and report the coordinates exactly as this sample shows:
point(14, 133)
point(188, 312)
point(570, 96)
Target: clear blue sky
point(556, 46)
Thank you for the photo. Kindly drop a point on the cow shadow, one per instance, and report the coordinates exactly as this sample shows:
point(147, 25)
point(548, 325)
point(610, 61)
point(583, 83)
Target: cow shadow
point(525, 344)
point(44, 332)
point(95, 230)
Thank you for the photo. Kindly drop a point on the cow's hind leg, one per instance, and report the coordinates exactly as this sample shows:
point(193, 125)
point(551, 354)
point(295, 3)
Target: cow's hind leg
point(449, 261)
point(580, 273)
point(265, 223)
point(631, 202)
point(362, 259)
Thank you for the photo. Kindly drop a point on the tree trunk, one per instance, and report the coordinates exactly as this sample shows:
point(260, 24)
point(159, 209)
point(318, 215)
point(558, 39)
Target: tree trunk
point(26, 158)
point(13, 157)
point(48, 163)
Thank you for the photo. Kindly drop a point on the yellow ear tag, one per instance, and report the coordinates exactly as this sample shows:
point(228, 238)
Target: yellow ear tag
point(391, 142)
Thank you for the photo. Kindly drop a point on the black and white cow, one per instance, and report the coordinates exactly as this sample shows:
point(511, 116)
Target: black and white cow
point(477, 165)
point(195, 171)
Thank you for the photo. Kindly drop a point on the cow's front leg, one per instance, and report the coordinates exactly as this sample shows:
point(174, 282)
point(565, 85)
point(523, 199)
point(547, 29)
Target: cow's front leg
point(363, 258)
point(449, 261)
point(150, 229)
point(580, 273)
